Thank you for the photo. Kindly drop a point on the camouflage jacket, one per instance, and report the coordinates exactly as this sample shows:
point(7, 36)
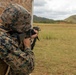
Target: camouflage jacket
point(21, 62)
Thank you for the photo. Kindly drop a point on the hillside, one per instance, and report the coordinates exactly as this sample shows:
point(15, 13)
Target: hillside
point(71, 19)
point(46, 20)
point(42, 20)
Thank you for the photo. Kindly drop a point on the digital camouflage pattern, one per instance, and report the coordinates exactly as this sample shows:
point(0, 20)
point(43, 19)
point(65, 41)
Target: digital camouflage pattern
point(16, 17)
point(20, 61)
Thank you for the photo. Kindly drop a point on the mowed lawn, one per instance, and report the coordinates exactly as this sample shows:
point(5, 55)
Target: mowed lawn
point(55, 53)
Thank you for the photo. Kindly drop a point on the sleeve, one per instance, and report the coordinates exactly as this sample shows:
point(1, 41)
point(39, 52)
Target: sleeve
point(14, 57)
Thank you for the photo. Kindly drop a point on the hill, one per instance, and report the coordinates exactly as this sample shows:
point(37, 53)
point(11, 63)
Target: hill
point(42, 20)
point(46, 20)
point(71, 19)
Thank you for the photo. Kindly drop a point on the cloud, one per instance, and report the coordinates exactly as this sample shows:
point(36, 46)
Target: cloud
point(55, 9)
point(39, 3)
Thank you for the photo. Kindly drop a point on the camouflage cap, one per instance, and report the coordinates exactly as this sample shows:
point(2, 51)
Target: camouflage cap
point(16, 17)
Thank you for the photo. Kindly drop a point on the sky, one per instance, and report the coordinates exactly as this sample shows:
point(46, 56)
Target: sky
point(55, 9)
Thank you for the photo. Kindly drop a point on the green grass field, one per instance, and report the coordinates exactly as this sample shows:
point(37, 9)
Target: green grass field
point(55, 53)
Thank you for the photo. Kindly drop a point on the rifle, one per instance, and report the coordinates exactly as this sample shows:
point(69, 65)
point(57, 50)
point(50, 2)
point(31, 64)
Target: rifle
point(21, 36)
point(36, 38)
point(29, 33)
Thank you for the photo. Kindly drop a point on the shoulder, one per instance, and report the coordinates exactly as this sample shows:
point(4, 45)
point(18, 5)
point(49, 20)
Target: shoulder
point(6, 39)
point(3, 34)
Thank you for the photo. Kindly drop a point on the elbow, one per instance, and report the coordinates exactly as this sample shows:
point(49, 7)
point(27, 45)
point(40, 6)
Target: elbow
point(28, 66)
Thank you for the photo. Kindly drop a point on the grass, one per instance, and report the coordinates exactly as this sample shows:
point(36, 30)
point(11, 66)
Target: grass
point(55, 53)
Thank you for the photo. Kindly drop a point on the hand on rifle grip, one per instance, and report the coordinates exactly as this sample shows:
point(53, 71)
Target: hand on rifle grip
point(35, 35)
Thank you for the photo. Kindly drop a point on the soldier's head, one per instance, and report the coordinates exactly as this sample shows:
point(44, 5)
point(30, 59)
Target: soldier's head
point(16, 17)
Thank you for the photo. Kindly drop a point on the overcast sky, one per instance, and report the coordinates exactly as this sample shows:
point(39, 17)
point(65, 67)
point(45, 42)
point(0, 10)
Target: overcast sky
point(55, 9)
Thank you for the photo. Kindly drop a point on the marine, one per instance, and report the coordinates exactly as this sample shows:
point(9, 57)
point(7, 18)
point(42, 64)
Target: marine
point(16, 18)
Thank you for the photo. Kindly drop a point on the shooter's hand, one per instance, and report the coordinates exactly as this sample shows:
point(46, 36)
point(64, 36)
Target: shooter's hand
point(27, 41)
point(35, 35)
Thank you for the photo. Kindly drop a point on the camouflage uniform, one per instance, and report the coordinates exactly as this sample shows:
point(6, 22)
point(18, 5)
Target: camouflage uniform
point(21, 62)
